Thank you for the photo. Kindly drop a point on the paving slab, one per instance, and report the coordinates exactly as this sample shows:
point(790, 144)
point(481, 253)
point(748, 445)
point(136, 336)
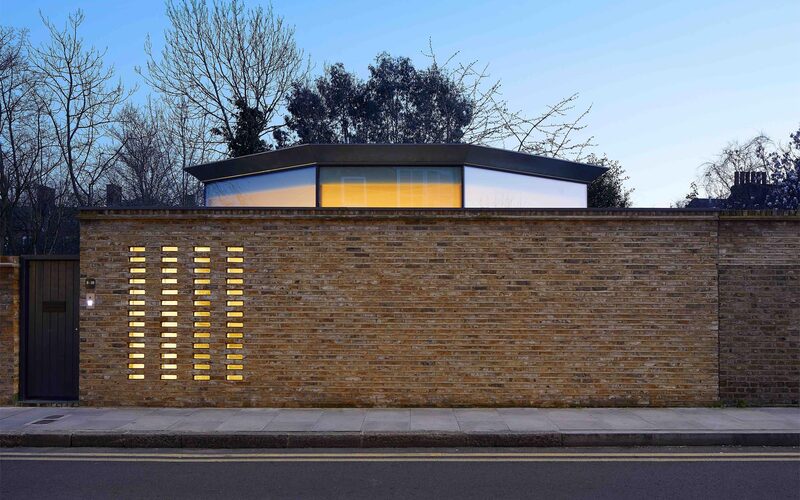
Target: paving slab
point(397, 427)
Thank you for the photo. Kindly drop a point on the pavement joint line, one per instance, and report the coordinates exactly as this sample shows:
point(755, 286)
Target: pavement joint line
point(412, 459)
point(411, 454)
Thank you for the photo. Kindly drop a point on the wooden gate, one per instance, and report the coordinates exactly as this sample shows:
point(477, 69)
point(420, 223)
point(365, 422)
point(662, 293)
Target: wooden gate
point(50, 340)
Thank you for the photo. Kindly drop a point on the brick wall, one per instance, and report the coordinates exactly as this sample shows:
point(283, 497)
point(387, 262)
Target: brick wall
point(759, 289)
point(409, 308)
point(9, 329)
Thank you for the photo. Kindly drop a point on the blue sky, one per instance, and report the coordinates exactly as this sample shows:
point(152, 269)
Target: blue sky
point(670, 82)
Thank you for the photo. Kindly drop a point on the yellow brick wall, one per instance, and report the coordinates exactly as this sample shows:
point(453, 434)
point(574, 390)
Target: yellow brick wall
point(759, 289)
point(9, 329)
point(413, 308)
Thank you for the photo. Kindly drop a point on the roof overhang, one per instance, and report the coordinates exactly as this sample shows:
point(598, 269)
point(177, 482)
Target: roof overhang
point(399, 155)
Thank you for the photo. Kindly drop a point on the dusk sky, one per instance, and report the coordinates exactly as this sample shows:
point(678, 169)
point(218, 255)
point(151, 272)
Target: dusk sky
point(670, 83)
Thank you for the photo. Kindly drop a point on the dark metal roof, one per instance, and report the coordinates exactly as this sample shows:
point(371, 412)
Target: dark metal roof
point(397, 154)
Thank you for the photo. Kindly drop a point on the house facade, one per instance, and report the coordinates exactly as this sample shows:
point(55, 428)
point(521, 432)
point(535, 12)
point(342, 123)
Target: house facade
point(395, 176)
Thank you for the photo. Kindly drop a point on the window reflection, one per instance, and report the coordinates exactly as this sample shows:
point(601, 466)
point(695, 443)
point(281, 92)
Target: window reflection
point(286, 188)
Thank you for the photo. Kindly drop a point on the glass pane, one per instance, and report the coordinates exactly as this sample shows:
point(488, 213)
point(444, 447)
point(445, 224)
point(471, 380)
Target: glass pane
point(484, 188)
point(287, 188)
point(412, 187)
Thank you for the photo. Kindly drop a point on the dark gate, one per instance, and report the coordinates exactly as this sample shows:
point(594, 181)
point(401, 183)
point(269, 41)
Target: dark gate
point(50, 340)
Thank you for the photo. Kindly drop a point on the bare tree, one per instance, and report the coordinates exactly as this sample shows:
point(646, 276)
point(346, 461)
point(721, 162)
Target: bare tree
point(189, 145)
point(158, 142)
point(717, 176)
point(81, 102)
point(142, 168)
point(553, 132)
point(26, 161)
point(214, 58)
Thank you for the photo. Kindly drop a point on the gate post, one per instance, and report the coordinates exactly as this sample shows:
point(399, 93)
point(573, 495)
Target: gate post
point(9, 329)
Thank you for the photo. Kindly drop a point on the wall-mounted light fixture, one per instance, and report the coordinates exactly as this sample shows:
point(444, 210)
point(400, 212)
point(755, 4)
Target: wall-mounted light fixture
point(90, 286)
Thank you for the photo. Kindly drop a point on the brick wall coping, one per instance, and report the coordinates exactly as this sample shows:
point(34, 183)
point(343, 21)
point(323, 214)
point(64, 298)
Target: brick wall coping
point(456, 213)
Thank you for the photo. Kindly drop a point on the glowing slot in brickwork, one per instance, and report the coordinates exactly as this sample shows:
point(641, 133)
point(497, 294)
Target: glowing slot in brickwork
point(136, 310)
point(238, 314)
point(202, 281)
point(202, 249)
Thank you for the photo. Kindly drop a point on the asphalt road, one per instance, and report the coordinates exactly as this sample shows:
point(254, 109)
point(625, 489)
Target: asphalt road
point(705, 473)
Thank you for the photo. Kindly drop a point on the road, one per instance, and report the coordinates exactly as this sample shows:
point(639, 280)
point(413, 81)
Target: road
point(705, 473)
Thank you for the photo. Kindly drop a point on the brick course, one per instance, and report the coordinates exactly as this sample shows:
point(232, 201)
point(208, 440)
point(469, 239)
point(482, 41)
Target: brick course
point(9, 329)
point(417, 308)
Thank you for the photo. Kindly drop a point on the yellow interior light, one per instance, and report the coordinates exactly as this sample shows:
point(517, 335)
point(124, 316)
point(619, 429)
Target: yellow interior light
point(136, 323)
point(234, 259)
point(135, 313)
point(169, 367)
point(169, 345)
point(233, 377)
point(136, 366)
point(205, 303)
point(202, 249)
point(233, 346)
point(169, 313)
point(234, 335)
point(169, 335)
point(235, 270)
point(202, 270)
point(169, 270)
point(169, 292)
point(234, 281)
point(135, 376)
point(202, 335)
point(136, 345)
point(234, 356)
point(136, 292)
point(202, 281)
point(169, 324)
point(200, 346)
point(202, 356)
point(234, 367)
point(137, 259)
point(137, 270)
point(169, 259)
point(169, 376)
point(169, 249)
point(169, 302)
point(136, 355)
point(202, 377)
point(202, 259)
point(169, 355)
point(202, 292)
point(232, 324)
point(137, 281)
point(169, 281)
point(202, 313)
point(136, 249)
point(136, 334)
point(234, 292)
point(236, 249)
point(135, 302)
point(234, 314)
point(235, 303)
point(202, 367)
point(202, 324)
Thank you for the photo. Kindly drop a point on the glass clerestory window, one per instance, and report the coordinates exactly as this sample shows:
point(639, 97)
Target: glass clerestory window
point(413, 187)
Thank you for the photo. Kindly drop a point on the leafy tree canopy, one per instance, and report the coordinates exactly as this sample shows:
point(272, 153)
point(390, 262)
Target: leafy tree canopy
point(396, 104)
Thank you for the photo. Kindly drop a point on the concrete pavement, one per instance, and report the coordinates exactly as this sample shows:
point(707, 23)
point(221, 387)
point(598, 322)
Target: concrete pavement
point(357, 427)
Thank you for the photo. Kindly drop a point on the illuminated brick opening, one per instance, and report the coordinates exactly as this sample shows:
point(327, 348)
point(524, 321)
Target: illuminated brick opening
point(234, 311)
point(136, 312)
